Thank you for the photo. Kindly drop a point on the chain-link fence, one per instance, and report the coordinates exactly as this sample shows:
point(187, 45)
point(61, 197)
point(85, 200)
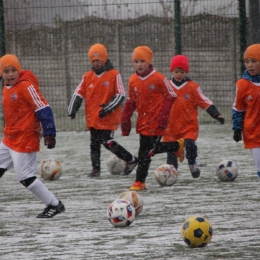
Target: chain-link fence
point(52, 39)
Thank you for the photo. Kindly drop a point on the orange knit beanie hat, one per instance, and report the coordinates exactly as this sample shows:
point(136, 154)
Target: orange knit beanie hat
point(142, 53)
point(98, 52)
point(179, 61)
point(253, 51)
point(9, 60)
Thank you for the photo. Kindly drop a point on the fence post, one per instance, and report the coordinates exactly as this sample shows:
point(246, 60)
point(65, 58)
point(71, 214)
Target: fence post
point(118, 45)
point(66, 62)
point(2, 29)
point(2, 50)
point(254, 21)
point(177, 26)
point(242, 32)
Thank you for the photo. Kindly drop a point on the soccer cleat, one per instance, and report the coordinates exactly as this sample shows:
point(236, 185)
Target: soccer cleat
point(129, 167)
point(195, 171)
point(138, 185)
point(180, 152)
point(94, 173)
point(50, 211)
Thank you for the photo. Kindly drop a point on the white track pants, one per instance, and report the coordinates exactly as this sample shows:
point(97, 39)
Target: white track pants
point(256, 156)
point(25, 166)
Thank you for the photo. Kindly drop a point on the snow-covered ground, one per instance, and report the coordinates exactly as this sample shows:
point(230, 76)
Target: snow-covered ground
point(83, 231)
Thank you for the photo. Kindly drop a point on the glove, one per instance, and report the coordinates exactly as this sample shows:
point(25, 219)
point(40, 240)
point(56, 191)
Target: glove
point(50, 141)
point(221, 119)
point(125, 133)
point(102, 113)
point(72, 116)
point(237, 135)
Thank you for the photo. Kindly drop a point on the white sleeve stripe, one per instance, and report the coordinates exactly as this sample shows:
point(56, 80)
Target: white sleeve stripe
point(75, 94)
point(36, 98)
point(41, 108)
point(207, 100)
point(171, 91)
point(238, 110)
point(79, 86)
point(72, 102)
point(235, 101)
point(115, 102)
point(120, 85)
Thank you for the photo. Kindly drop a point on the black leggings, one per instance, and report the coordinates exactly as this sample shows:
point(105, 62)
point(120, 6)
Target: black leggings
point(146, 144)
point(106, 138)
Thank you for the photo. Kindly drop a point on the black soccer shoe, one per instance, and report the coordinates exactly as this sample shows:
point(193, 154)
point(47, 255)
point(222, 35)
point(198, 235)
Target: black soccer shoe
point(195, 171)
point(129, 167)
point(94, 173)
point(50, 211)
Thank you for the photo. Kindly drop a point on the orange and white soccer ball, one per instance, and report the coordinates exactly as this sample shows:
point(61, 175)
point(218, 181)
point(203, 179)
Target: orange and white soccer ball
point(134, 198)
point(166, 175)
point(50, 169)
point(121, 213)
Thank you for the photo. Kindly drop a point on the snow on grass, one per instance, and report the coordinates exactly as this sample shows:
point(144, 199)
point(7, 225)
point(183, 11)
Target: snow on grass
point(83, 231)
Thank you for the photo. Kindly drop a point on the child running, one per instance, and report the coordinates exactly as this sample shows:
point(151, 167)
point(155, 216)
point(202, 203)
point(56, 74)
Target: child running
point(26, 114)
point(103, 90)
point(246, 107)
point(183, 121)
point(150, 94)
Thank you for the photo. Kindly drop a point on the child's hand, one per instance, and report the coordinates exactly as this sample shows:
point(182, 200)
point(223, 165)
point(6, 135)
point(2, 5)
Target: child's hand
point(49, 141)
point(104, 111)
point(72, 115)
point(125, 133)
point(237, 135)
point(221, 119)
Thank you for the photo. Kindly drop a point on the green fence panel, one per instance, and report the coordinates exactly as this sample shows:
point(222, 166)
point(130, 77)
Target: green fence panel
point(52, 39)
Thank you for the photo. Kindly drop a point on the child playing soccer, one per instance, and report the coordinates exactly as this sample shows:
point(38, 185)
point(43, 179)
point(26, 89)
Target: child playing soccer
point(183, 121)
point(103, 90)
point(246, 108)
point(150, 94)
point(25, 113)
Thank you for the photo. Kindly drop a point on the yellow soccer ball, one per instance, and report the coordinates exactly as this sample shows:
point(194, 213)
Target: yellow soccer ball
point(196, 231)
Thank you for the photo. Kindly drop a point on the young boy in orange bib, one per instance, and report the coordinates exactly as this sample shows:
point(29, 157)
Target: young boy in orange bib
point(103, 91)
point(246, 107)
point(26, 115)
point(183, 121)
point(150, 94)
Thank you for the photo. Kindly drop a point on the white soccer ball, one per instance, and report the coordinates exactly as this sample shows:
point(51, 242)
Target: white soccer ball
point(166, 175)
point(115, 165)
point(121, 213)
point(134, 198)
point(50, 169)
point(227, 170)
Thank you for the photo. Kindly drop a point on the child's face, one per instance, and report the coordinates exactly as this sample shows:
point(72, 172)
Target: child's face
point(252, 66)
point(179, 74)
point(141, 66)
point(10, 75)
point(97, 64)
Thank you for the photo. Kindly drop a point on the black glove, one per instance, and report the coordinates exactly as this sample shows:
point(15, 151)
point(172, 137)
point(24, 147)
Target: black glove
point(221, 119)
point(50, 141)
point(72, 115)
point(102, 113)
point(237, 135)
